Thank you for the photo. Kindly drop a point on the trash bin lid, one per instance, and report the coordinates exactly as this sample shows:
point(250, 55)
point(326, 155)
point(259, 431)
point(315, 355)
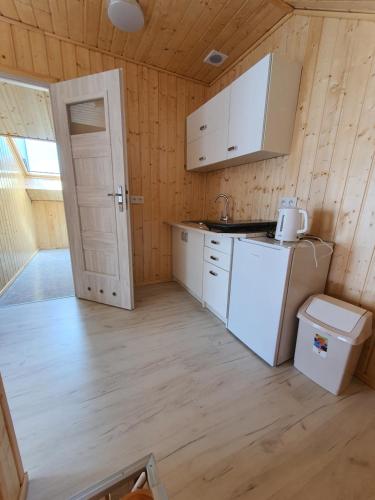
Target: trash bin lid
point(335, 313)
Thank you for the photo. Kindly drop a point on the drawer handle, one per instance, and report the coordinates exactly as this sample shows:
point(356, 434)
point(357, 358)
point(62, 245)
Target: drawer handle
point(213, 273)
point(213, 258)
point(203, 127)
point(214, 242)
point(202, 158)
point(232, 148)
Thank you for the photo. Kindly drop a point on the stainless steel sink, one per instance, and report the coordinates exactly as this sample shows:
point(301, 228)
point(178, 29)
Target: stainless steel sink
point(249, 226)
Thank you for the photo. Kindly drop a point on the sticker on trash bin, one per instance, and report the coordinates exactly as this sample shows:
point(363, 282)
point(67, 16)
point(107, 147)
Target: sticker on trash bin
point(320, 345)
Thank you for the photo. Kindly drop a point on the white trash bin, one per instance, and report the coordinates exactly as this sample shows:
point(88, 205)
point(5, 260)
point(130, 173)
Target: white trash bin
point(330, 338)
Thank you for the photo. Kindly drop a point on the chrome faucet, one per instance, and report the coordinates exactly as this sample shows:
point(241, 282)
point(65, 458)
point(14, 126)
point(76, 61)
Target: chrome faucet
point(224, 216)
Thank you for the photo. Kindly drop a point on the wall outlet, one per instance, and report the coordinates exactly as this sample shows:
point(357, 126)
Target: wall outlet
point(137, 200)
point(288, 202)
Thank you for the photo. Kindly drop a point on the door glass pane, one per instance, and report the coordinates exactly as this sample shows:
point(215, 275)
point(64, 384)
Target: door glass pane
point(86, 117)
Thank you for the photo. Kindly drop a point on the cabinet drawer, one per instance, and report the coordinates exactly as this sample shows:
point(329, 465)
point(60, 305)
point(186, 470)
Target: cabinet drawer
point(207, 150)
point(221, 243)
point(215, 289)
point(216, 258)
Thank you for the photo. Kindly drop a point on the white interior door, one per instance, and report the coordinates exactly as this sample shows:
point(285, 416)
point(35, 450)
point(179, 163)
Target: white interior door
point(90, 131)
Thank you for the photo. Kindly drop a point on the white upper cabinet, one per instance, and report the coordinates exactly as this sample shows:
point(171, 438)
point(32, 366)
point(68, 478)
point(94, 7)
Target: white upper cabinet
point(207, 150)
point(248, 99)
point(208, 118)
point(250, 120)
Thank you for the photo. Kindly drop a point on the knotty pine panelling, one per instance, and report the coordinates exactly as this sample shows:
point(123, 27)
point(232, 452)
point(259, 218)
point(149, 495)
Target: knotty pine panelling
point(157, 104)
point(17, 233)
point(50, 224)
point(331, 166)
point(177, 34)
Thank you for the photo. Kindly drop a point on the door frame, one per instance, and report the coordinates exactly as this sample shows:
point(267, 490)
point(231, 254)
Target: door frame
point(22, 79)
point(27, 81)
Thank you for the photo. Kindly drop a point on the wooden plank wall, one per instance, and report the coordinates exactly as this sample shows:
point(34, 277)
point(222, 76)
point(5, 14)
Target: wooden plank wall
point(157, 104)
point(50, 224)
point(17, 232)
point(331, 167)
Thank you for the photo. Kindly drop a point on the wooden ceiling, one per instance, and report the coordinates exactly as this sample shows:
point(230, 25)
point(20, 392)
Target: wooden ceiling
point(25, 112)
point(177, 35)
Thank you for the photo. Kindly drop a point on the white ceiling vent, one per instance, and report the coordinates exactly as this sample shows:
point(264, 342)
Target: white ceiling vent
point(215, 58)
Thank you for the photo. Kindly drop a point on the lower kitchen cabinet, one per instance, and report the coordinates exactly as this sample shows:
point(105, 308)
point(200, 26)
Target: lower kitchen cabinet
point(216, 289)
point(202, 264)
point(187, 262)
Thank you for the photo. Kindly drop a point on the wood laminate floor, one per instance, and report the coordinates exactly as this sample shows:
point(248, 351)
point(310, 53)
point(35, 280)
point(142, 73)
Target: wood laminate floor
point(47, 276)
point(93, 388)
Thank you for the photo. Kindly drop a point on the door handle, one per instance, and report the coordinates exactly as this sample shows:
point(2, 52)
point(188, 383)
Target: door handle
point(119, 195)
point(213, 258)
point(232, 148)
point(203, 127)
point(202, 158)
point(213, 273)
point(214, 242)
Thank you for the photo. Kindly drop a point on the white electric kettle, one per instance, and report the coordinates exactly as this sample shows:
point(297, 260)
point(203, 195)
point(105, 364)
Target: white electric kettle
point(289, 224)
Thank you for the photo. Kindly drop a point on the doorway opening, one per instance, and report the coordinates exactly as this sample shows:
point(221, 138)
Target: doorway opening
point(34, 249)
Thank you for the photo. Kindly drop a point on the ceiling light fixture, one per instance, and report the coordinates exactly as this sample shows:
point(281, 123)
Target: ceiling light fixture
point(126, 15)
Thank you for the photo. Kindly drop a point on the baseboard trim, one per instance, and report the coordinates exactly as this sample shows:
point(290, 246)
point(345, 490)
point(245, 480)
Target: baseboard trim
point(156, 282)
point(13, 279)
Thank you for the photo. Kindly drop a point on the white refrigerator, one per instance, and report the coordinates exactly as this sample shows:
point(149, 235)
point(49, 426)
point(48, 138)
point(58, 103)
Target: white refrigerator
point(269, 282)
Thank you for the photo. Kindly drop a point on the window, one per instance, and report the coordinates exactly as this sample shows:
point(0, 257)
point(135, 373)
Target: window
point(39, 157)
point(86, 117)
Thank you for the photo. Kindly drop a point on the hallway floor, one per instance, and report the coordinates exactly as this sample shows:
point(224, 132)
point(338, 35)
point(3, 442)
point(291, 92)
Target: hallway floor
point(47, 276)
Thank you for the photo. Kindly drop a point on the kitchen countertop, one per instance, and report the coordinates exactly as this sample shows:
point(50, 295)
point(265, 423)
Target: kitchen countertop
point(201, 228)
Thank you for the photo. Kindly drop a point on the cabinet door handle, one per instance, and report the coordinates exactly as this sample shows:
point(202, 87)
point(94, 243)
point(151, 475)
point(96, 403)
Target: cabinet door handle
point(213, 258)
point(214, 242)
point(232, 148)
point(203, 127)
point(213, 273)
point(202, 158)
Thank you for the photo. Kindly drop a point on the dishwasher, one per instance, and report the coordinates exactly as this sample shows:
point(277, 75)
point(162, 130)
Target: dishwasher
point(269, 282)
